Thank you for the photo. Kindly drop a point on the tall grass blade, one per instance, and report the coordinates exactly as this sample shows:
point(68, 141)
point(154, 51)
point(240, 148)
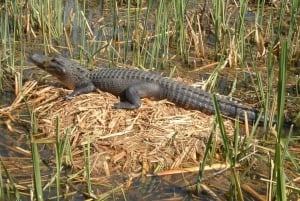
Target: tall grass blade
point(281, 17)
point(1, 183)
point(235, 187)
point(11, 182)
point(218, 17)
point(35, 160)
point(87, 160)
point(279, 154)
point(241, 30)
point(160, 41)
point(209, 149)
point(222, 130)
point(128, 30)
point(179, 6)
point(59, 152)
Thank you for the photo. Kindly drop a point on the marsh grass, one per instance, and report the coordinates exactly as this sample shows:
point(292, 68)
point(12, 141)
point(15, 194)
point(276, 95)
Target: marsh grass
point(219, 20)
point(209, 154)
point(212, 80)
point(37, 179)
point(279, 150)
point(235, 188)
point(180, 8)
point(60, 153)
point(87, 160)
point(7, 188)
point(241, 32)
point(131, 35)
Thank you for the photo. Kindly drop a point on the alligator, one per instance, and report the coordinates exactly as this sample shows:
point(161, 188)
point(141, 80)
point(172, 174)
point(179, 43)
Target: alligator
point(131, 85)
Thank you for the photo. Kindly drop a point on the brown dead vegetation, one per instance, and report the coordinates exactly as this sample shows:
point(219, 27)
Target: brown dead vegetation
point(159, 134)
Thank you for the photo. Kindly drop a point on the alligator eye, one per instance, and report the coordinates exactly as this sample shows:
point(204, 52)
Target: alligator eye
point(54, 60)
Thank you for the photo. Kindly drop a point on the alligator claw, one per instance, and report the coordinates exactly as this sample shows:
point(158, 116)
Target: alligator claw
point(68, 97)
point(124, 105)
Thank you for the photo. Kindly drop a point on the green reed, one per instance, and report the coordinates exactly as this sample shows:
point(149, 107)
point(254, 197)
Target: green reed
point(279, 154)
point(60, 150)
point(160, 44)
point(212, 80)
point(1, 74)
point(281, 18)
point(230, 153)
point(259, 15)
point(81, 26)
point(8, 191)
point(49, 18)
point(144, 43)
point(60, 147)
point(115, 30)
point(179, 8)
point(210, 150)
point(137, 34)
point(293, 32)
point(2, 187)
point(37, 180)
point(264, 96)
point(240, 32)
point(58, 20)
point(40, 17)
point(11, 32)
point(87, 162)
point(219, 10)
point(5, 32)
point(46, 26)
point(128, 30)
point(269, 93)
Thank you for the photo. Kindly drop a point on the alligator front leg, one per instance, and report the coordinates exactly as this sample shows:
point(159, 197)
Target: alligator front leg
point(131, 97)
point(83, 89)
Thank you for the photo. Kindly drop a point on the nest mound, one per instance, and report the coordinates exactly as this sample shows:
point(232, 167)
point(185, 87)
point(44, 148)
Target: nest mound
point(159, 134)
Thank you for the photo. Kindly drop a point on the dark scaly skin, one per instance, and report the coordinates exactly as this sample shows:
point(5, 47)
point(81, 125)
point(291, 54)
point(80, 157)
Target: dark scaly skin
point(132, 85)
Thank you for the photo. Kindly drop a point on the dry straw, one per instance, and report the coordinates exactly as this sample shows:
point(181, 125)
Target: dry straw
point(157, 134)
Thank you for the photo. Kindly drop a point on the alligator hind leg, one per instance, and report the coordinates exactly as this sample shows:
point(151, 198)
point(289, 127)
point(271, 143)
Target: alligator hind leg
point(131, 98)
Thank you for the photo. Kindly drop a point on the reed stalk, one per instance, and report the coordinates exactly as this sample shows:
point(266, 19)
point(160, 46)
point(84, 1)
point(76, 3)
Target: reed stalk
point(218, 18)
point(179, 8)
point(38, 190)
point(161, 40)
point(87, 160)
point(59, 153)
point(281, 18)
point(230, 156)
point(6, 192)
point(241, 32)
point(210, 149)
point(279, 154)
point(128, 30)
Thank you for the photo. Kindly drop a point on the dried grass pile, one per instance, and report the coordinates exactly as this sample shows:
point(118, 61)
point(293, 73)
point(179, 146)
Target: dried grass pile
point(157, 134)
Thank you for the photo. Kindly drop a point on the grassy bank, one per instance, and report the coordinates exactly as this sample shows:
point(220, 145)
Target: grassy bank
point(243, 40)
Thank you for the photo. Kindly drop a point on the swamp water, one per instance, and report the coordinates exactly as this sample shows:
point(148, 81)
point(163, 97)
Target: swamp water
point(143, 34)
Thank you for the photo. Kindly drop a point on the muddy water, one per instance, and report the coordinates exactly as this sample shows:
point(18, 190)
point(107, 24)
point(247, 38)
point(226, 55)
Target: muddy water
point(175, 187)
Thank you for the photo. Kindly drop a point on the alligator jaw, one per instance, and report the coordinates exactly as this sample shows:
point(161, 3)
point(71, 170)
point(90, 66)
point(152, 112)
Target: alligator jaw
point(68, 72)
point(38, 60)
point(52, 66)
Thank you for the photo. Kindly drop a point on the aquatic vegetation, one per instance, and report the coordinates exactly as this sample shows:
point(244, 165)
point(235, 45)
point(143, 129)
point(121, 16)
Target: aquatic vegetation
point(254, 44)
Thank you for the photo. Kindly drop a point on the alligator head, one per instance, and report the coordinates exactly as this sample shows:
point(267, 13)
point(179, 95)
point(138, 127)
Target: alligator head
point(70, 73)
